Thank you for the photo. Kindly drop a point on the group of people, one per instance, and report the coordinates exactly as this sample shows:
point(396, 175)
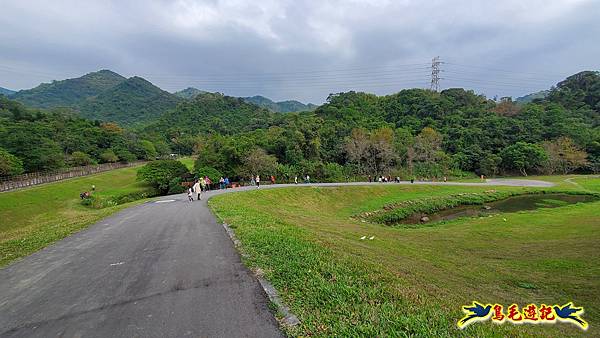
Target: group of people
point(255, 180)
point(200, 185)
point(223, 182)
point(396, 179)
point(384, 179)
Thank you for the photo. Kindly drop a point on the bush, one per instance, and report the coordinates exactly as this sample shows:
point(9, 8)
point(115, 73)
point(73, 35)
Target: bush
point(79, 159)
point(159, 174)
point(10, 164)
point(149, 150)
point(175, 186)
point(108, 156)
point(100, 202)
point(125, 155)
point(333, 172)
point(211, 172)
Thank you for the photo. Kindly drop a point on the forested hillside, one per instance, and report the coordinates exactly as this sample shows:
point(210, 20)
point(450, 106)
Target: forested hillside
point(413, 133)
point(210, 113)
point(134, 100)
point(70, 92)
point(32, 140)
point(421, 133)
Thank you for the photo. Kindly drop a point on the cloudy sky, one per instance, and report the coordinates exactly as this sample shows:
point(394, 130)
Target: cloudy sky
point(302, 49)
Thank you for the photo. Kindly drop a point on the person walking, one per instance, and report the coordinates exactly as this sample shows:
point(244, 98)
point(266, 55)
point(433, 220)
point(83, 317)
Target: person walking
point(226, 182)
point(307, 179)
point(252, 180)
point(221, 182)
point(257, 181)
point(272, 179)
point(190, 196)
point(202, 184)
point(198, 190)
point(208, 182)
point(296, 179)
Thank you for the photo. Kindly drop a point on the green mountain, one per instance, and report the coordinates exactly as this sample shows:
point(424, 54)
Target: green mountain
point(189, 93)
point(530, 97)
point(7, 92)
point(212, 113)
point(281, 106)
point(132, 101)
point(70, 92)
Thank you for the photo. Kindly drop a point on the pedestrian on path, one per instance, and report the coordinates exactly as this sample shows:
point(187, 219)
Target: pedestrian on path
point(202, 184)
point(257, 181)
point(296, 179)
point(198, 190)
point(190, 196)
point(272, 179)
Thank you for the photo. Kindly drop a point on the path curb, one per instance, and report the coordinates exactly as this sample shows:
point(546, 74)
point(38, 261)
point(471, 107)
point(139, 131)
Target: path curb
point(289, 318)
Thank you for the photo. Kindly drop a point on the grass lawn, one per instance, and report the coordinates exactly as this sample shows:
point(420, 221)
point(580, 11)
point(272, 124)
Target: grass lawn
point(35, 217)
point(413, 282)
point(188, 161)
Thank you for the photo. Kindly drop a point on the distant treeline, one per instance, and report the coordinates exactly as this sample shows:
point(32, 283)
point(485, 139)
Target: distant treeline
point(415, 132)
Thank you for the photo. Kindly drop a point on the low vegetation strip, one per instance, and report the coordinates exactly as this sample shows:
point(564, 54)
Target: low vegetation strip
point(393, 213)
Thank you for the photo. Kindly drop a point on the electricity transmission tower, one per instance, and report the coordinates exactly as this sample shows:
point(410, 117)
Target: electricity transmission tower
point(435, 73)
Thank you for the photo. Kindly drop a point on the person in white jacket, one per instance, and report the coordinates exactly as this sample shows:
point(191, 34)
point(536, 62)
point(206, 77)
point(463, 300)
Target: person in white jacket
point(198, 190)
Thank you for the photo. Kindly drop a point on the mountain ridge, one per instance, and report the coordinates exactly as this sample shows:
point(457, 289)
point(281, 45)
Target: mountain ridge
point(135, 100)
point(287, 106)
point(6, 91)
point(69, 92)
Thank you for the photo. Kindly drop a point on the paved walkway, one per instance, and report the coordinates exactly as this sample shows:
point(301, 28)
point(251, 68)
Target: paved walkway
point(165, 268)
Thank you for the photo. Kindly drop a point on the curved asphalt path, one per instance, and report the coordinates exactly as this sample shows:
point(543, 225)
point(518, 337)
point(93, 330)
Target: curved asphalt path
point(165, 268)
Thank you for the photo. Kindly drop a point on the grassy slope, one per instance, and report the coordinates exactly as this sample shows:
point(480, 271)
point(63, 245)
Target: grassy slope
point(188, 161)
point(413, 281)
point(35, 217)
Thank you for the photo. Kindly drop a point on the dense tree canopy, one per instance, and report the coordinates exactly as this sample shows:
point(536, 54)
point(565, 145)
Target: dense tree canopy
point(55, 139)
point(414, 132)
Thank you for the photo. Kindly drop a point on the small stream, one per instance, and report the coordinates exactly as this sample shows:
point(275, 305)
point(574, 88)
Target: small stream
point(511, 204)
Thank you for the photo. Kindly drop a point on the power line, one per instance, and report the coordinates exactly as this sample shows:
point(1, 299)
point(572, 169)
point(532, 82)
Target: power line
point(503, 70)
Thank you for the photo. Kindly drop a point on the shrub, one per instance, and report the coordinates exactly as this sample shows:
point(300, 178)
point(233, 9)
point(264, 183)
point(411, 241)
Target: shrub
point(175, 186)
point(10, 164)
point(333, 172)
point(108, 156)
point(79, 158)
point(149, 150)
point(211, 172)
point(125, 155)
point(159, 174)
point(100, 201)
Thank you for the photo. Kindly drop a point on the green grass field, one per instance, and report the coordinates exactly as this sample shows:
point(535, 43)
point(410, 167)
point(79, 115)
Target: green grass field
point(188, 161)
point(413, 282)
point(34, 217)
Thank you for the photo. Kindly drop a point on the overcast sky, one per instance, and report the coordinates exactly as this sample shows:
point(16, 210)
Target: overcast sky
point(302, 49)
